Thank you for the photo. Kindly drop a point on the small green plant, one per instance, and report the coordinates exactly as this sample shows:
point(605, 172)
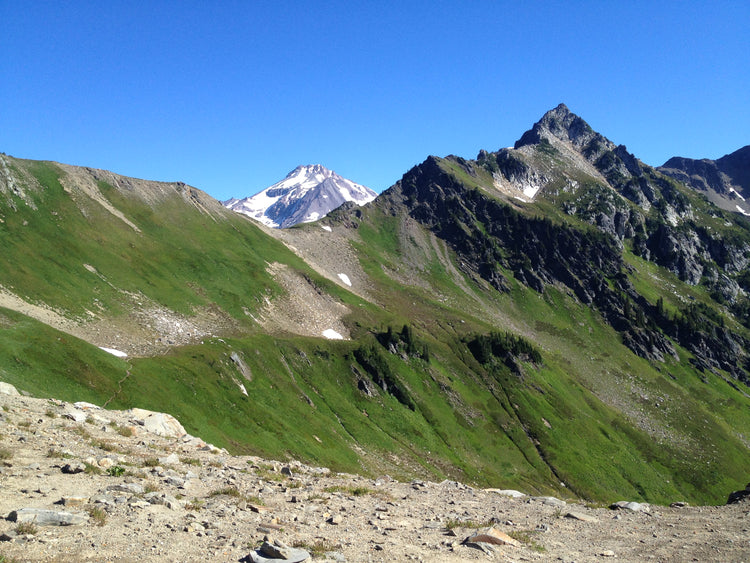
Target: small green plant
point(473, 524)
point(195, 504)
point(318, 548)
point(82, 432)
point(151, 462)
point(50, 413)
point(190, 461)
point(526, 537)
point(24, 423)
point(5, 453)
point(26, 529)
point(115, 471)
point(228, 491)
point(55, 453)
point(354, 491)
point(124, 431)
point(150, 488)
point(104, 445)
point(98, 515)
point(91, 469)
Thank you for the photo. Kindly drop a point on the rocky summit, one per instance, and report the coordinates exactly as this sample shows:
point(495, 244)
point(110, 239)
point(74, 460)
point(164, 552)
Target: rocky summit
point(81, 483)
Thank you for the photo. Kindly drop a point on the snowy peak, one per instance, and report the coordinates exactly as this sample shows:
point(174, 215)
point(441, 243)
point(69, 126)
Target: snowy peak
point(307, 194)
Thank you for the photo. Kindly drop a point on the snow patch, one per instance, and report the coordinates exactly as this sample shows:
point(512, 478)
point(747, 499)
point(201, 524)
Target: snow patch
point(331, 334)
point(742, 211)
point(326, 228)
point(531, 191)
point(344, 278)
point(736, 193)
point(114, 352)
point(242, 388)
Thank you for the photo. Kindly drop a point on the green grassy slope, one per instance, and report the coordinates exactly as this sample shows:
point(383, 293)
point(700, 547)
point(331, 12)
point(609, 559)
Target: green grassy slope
point(590, 419)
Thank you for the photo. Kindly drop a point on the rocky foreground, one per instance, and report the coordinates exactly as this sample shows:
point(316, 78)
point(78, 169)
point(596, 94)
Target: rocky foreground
point(78, 483)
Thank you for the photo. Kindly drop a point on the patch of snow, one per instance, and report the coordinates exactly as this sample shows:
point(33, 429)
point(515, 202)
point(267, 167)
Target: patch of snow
point(344, 278)
point(735, 192)
point(519, 198)
point(331, 334)
point(314, 216)
point(742, 211)
point(114, 352)
point(530, 191)
point(242, 388)
point(326, 228)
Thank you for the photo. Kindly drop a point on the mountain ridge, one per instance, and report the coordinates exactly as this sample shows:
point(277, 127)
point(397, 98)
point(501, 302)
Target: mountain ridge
point(557, 317)
point(726, 181)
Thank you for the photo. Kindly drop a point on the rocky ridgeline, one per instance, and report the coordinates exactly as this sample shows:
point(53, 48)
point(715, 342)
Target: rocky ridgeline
point(79, 483)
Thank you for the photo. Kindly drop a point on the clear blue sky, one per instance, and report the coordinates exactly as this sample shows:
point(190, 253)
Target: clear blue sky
point(231, 96)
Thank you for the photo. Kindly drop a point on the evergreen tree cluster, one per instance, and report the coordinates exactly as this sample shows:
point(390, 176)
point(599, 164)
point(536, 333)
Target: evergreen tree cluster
point(404, 341)
point(376, 366)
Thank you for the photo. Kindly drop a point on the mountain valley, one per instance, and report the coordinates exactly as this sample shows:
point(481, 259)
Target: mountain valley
point(558, 318)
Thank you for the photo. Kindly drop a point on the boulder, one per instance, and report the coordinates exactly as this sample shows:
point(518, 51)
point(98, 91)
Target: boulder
point(8, 389)
point(739, 496)
point(45, 517)
point(73, 468)
point(159, 423)
point(278, 552)
point(632, 506)
point(507, 493)
point(493, 536)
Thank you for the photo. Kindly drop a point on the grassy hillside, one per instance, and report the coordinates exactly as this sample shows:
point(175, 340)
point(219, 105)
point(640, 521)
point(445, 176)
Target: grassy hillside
point(448, 374)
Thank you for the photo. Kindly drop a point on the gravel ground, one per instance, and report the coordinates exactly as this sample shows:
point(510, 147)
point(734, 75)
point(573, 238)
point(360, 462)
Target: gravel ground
point(146, 497)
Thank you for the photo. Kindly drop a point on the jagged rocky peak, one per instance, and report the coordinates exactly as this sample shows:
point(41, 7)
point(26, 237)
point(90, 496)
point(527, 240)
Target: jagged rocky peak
point(308, 193)
point(560, 123)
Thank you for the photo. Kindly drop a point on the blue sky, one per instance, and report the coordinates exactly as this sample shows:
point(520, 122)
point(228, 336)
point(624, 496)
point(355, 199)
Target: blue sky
point(231, 96)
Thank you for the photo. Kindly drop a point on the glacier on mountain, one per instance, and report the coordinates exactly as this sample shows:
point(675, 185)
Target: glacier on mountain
point(307, 194)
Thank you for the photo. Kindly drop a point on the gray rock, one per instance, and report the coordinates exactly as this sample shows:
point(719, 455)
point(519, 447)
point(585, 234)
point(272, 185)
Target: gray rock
point(171, 459)
point(278, 552)
point(581, 516)
point(158, 423)
point(507, 492)
point(739, 496)
point(8, 389)
point(632, 506)
point(76, 416)
point(44, 517)
point(73, 468)
point(132, 488)
point(550, 501)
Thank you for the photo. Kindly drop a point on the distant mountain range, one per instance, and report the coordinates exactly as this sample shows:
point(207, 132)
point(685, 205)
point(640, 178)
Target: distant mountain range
point(726, 181)
point(307, 194)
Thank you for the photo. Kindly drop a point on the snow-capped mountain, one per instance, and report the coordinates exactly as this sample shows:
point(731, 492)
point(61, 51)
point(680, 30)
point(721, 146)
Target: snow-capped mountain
point(307, 194)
